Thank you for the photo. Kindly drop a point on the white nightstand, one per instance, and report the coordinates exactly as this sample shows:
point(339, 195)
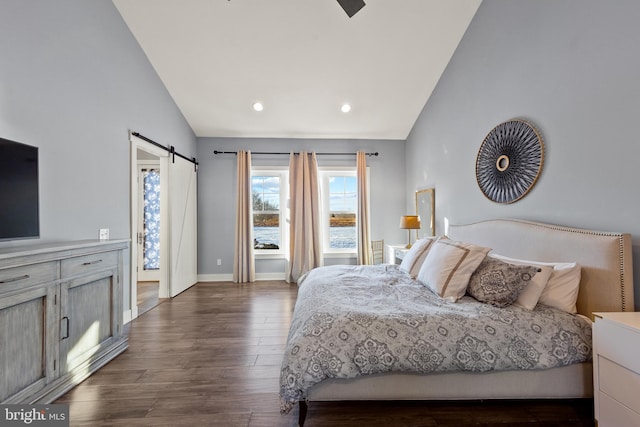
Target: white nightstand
point(616, 369)
point(395, 253)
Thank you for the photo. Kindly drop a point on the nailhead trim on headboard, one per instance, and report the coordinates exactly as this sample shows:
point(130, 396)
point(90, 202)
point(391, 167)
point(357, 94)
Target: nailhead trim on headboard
point(624, 304)
point(623, 299)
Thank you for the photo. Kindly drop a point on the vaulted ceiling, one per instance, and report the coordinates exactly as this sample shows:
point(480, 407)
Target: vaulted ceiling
point(301, 59)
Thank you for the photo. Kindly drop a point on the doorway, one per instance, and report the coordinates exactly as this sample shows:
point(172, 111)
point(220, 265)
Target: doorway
point(149, 281)
point(148, 235)
point(177, 247)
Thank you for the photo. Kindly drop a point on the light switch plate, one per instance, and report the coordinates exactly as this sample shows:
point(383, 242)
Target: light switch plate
point(104, 234)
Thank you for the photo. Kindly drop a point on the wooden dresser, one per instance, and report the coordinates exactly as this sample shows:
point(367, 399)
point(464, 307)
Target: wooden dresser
point(60, 316)
point(616, 369)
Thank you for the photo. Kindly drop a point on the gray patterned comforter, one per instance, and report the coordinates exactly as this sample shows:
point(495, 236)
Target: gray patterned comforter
point(356, 320)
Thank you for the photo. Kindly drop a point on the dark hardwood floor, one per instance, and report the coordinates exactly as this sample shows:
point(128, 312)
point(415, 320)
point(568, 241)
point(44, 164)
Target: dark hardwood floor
point(211, 357)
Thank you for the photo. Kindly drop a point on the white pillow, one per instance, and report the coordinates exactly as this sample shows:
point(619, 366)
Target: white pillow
point(562, 288)
point(413, 259)
point(448, 266)
point(530, 295)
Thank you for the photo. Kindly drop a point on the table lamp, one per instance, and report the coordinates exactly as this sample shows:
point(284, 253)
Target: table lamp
point(410, 222)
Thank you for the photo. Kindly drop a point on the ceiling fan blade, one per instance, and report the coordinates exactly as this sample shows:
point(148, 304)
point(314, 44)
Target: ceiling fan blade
point(351, 6)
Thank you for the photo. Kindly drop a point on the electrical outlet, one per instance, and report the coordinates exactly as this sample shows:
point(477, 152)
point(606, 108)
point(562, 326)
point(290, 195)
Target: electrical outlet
point(219, 261)
point(104, 234)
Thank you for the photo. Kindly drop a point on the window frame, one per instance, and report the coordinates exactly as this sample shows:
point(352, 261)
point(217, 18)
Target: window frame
point(325, 174)
point(283, 174)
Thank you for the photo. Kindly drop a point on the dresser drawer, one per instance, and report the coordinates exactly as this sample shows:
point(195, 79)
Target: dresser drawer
point(614, 414)
point(28, 275)
point(88, 263)
point(618, 343)
point(619, 383)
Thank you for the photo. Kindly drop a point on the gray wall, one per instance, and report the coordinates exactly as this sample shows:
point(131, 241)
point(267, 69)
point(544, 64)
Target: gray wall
point(572, 68)
point(216, 191)
point(73, 82)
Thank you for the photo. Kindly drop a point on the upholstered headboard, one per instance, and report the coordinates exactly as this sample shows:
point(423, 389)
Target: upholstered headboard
point(607, 272)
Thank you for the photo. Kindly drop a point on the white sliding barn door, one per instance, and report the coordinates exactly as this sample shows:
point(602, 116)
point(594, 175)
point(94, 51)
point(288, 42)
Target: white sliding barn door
point(183, 225)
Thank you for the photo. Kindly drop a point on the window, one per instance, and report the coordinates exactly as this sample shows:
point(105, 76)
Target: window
point(339, 208)
point(268, 190)
point(339, 201)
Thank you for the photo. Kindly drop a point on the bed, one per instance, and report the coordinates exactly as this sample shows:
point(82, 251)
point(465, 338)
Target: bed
point(560, 370)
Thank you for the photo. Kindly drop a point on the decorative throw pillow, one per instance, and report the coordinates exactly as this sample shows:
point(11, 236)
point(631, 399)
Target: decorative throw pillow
point(561, 291)
point(530, 295)
point(413, 259)
point(448, 266)
point(499, 283)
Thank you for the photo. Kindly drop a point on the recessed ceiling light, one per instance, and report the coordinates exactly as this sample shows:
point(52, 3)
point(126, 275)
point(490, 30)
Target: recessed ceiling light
point(345, 108)
point(258, 106)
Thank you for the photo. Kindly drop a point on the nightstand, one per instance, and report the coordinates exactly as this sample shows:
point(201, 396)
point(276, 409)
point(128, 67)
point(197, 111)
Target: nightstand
point(395, 253)
point(616, 369)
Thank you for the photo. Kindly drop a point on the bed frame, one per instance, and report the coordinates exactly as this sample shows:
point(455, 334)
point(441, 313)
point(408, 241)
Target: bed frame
point(606, 285)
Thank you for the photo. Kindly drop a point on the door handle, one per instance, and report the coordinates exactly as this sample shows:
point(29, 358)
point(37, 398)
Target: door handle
point(66, 319)
point(15, 279)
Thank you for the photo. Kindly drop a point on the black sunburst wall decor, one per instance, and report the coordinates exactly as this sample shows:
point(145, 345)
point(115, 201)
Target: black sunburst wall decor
point(509, 161)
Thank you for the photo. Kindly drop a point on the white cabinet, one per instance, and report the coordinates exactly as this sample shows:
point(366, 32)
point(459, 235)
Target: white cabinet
point(616, 369)
point(60, 316)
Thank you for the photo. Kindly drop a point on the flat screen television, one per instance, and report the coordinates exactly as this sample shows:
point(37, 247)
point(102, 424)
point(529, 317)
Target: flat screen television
point(19, 207)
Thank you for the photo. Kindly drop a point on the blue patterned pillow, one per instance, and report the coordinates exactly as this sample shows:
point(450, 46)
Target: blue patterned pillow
point(498, 283)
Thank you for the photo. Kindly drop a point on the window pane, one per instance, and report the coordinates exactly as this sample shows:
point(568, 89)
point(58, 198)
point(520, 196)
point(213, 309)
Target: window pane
point(343, 196)
point(256, 184)
point(266, 220)
point(266, 231)
point(342, 231)
point(342, 212)
point(266, 212)
point(271, 202)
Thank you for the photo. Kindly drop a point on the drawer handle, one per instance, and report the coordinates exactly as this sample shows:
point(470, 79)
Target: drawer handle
point(67, 328)
point(15, 279)
point(92, 262)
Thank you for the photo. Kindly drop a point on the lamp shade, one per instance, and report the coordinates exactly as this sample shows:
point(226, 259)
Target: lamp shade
point(411, 222)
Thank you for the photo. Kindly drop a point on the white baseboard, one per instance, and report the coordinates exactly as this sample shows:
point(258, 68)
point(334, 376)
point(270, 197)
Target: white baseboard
point(270, 276)
point(229, 277)
point(215, 277)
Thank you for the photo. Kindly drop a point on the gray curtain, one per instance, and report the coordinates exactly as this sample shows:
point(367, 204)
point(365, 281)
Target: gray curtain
point(243, 261)
point(305, 245)
point(364, 238)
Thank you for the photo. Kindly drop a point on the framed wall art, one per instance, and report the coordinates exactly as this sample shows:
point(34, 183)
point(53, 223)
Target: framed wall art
point(509, 161)
point(426, 209)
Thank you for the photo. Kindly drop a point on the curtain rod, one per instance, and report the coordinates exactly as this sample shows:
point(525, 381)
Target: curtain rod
point(276, 153)
point(171, 149)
